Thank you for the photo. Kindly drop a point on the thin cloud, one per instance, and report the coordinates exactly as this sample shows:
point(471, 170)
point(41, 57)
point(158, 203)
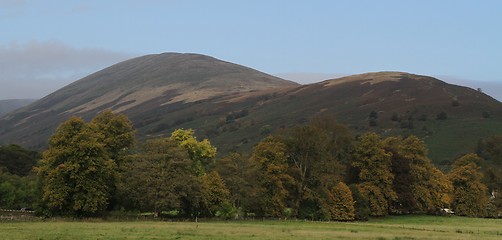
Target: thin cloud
point(35, 69)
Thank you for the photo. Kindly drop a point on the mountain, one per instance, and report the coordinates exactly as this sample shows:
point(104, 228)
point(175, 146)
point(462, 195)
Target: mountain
point(13, 104)
point(235, 106)
point(134, 86)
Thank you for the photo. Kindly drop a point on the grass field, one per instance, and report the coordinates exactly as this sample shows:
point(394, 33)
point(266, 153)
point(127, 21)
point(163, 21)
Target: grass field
point(407, 227)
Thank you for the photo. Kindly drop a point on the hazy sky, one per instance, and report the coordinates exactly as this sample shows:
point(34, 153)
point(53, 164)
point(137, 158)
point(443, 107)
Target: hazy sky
point(45, 45)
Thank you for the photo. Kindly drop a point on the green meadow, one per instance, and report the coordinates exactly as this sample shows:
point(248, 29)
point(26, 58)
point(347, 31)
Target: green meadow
point(393, 227)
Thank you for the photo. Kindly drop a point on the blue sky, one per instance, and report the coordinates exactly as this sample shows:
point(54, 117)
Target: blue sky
point(48, 44)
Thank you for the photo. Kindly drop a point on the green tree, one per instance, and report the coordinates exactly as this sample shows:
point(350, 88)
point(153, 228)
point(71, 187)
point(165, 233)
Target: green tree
point(158, 177)
point(270, 154)
point(361, 204)
point(490, 149)
point(419, 185)
point(374, 179)
point(76, 170)
point(18, 160)
point(17, 191)
point(470, 195)
point(342, 203)
point(240, 175)
point(201, 152)
point(317, 156)
point(216, 196)
point(118, 133)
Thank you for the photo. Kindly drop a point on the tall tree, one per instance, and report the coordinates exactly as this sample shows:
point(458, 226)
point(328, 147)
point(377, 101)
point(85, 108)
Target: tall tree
point(420, 186)
point(270, 154)
point(375, 178)
point(158, 177)
point(216, 196)
point(240, 175)
point(317, 154)
point(118, 133)
point(490, 149)
point(76, 170)
point(470, 195)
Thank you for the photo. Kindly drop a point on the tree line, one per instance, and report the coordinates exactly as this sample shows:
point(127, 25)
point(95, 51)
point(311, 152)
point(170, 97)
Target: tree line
point(317, 171)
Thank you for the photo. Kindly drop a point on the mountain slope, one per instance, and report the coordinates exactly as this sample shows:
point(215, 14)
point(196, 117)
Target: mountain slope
point(169, 78)
point(13, 104)
point(236, 106)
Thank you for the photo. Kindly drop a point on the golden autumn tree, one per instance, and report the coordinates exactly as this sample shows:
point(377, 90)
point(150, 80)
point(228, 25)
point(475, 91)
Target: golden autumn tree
point(341, 203)
point(470, 195)
point(201, 152)
point(420, 186)
point(374, 178)
point(215, 194)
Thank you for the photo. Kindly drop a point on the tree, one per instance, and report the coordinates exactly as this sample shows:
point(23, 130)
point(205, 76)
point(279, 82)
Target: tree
point(17, 192)
point(216, 196)
point(342, 203)
point(240, 175)
point(158, 177)
point(420, 187)
point(470, 195)
point(490, 149)
point(270, 154)
point(317, 154)
point(202, 152)
point(361, 204)
point(76, 170)
point(374, 178)
point(18, 160)
point(118, 133)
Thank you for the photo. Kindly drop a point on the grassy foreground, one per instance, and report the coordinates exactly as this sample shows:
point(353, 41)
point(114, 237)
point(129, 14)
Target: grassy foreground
point(408, 227)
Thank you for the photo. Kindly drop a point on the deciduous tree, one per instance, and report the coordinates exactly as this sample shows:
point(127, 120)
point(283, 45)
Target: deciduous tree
point(470, 195)
point(201, 152)
point(76, 170)
point(341, 203)
point(158, 177)
point(375, 178)
point(271, 156)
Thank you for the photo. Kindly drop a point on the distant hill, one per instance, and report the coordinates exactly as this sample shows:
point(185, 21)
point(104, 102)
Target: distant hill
point(10, 105)
point(236, 106)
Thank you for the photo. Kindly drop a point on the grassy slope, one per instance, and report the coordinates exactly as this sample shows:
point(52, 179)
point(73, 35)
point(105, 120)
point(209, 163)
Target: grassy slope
point(403, 227)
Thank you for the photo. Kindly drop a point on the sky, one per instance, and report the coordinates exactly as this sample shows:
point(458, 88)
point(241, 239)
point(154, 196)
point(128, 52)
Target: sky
point(45, 45)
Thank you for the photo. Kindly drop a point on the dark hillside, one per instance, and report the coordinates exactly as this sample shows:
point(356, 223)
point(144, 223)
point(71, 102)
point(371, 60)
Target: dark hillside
point(236, 106)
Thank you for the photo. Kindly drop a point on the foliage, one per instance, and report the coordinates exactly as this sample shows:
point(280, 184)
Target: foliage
point(342, 203)
point(317, 154)
point(17, 160)
point(17, 192)
point(118, 133)
point(420, 186)
point(470, 194)
point(76, 170)
point(361, 204)
point(240, 175)
point(79, 169)
point(201, 152)
point(216, 196)
point(375, 178)
point(157, 177)
point(271, 156)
